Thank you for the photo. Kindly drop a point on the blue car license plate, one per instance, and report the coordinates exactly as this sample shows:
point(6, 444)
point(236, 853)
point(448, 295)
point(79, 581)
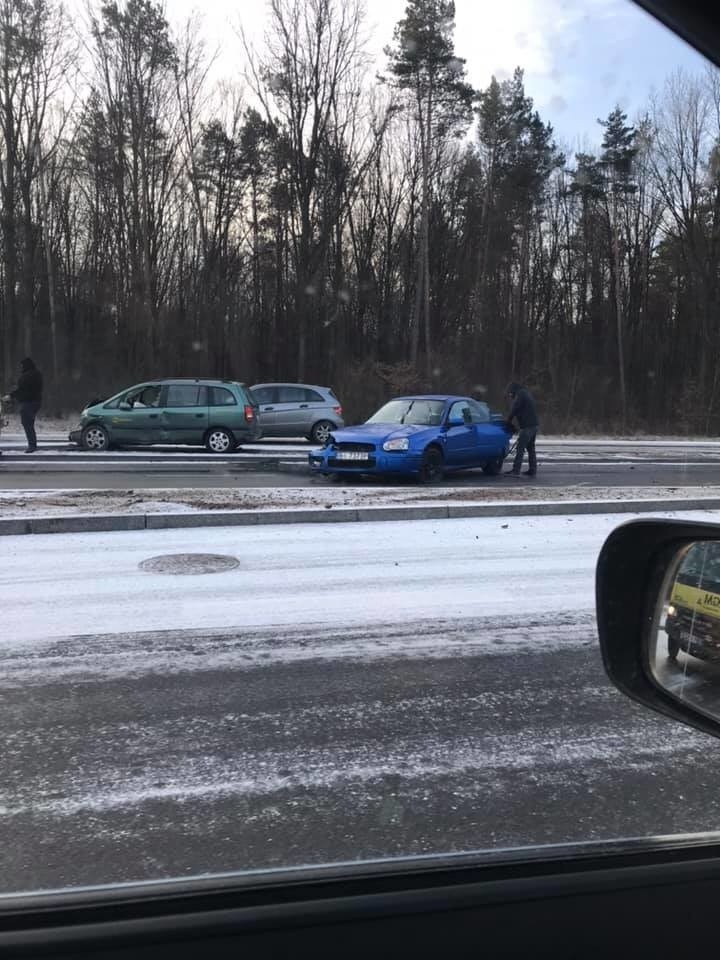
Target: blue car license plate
point(352, 455)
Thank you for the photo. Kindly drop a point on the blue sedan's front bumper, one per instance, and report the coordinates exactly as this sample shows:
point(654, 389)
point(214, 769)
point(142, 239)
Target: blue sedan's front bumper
point(325, 462)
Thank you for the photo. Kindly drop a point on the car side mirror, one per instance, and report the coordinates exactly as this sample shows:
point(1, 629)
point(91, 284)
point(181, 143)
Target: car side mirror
point(456, 422)
point(658, 611)
point(124, 405)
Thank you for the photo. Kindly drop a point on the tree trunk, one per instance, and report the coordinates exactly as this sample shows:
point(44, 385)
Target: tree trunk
point(619, 315)
point(49, 265)
point(426, 233)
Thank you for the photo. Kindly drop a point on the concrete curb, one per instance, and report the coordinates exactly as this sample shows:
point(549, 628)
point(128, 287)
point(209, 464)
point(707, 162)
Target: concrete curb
point(168, 521)
point(46, 465)
point(293, 466)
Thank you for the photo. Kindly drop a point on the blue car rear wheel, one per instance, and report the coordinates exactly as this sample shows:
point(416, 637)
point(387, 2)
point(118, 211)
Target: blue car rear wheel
point(493, 467)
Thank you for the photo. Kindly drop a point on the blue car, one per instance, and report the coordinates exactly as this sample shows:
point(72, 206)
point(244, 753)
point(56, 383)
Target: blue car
point(422, 437)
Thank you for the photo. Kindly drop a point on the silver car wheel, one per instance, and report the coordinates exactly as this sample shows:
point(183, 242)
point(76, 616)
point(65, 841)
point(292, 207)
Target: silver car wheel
point(95, 438)
point(321, 431)
point(219, 441)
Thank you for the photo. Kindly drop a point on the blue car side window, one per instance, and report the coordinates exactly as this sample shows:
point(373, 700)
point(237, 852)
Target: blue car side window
point(480, 411)
point(460, 411)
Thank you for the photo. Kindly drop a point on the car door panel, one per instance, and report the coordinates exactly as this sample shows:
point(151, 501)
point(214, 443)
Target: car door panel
point(184, 414)
point(490, 439)
point(225, 411)
point(292, 412)
point(266, 398)
point(316, 409)
point(460, 441)
point(140, 423)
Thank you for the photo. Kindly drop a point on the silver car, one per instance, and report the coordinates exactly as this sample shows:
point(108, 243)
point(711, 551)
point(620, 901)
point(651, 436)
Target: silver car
point(297, 410)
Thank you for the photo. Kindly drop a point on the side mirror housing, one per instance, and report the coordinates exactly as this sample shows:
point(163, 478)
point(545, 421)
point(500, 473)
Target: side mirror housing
point(658, 612)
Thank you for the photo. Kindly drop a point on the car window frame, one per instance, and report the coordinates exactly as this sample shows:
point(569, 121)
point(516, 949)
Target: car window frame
point(452, 406)
point(114, 402)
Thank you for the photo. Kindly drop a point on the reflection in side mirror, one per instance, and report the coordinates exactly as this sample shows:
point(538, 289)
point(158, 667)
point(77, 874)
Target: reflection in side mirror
point(683, 646)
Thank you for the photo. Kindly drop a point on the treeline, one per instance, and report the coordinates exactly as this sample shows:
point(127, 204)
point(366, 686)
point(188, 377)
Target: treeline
point(314, 222)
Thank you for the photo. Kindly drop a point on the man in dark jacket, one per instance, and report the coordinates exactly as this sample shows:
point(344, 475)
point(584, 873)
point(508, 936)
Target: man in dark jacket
point(524, 413)
point(28, 395)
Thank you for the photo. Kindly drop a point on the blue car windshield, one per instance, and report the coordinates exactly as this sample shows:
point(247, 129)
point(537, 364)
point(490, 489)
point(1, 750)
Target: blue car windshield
point(425, 413)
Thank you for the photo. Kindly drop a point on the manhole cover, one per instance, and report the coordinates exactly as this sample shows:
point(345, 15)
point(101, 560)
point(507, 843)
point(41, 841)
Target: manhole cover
point(185, 563)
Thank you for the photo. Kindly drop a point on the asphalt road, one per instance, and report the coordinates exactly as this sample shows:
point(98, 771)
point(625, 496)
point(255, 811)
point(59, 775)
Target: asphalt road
point(130, 474)
point(152, 773)
point(447, 695)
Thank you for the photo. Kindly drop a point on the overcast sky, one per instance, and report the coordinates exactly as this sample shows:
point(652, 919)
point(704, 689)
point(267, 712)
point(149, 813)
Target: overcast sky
point(581, 57)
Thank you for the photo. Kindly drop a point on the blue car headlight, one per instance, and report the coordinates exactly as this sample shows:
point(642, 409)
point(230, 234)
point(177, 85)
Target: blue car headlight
point(392, 446)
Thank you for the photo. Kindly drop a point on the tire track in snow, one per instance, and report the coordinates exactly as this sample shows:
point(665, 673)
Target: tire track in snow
point(173, 652)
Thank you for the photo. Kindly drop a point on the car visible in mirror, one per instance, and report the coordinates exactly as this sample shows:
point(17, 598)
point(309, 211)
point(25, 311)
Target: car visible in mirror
point(658, 588)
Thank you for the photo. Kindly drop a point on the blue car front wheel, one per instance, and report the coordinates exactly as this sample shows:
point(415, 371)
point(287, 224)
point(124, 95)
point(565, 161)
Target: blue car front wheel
point(431, 466)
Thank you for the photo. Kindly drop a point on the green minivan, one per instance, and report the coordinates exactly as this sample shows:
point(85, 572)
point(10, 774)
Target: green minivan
point(219, 414)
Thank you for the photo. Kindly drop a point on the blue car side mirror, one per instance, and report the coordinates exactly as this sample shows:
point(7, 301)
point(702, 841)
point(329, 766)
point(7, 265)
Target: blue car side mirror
point(456, 422)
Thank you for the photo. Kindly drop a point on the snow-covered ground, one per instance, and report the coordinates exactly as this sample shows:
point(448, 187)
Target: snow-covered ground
point(348, 692)
point(89, 502)
point(364, 573)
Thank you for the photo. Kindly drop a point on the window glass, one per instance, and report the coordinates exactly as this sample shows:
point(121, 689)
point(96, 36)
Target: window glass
point(291, 395)
point(145, 396)
point(264, 394)
point(701, 565)
point(460, 410)
point(186, 395)
point(222, 397)
point(479, 411)
point(312, 396)
point(413, 411)
point(237, 694)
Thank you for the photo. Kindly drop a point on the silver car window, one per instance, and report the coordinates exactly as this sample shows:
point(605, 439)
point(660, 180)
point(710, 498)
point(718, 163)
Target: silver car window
point(291, 395)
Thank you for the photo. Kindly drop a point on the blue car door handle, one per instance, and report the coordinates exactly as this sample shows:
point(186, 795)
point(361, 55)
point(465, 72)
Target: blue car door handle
point(265, 409)
point(303, 406)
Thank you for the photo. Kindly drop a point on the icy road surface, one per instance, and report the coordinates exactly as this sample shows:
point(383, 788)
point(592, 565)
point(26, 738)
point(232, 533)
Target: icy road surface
point(347, 693)
point(346, 574)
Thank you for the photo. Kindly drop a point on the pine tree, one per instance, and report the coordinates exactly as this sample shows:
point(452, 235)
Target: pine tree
point(424, 65)
point(618, 152)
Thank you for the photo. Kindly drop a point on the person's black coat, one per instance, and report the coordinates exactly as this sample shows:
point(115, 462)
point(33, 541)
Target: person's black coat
point(523, 409)
point(30, 385)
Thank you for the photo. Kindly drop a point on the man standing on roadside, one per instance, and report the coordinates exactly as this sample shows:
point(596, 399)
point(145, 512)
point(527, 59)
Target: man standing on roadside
point(524, 413)
point(28, 395)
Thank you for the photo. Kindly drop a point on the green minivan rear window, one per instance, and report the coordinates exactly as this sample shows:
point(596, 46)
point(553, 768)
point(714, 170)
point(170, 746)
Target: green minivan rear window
point(222, 397)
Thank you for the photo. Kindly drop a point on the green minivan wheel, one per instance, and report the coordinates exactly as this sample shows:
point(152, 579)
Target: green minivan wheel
point(220, 440)
point(95, 437)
